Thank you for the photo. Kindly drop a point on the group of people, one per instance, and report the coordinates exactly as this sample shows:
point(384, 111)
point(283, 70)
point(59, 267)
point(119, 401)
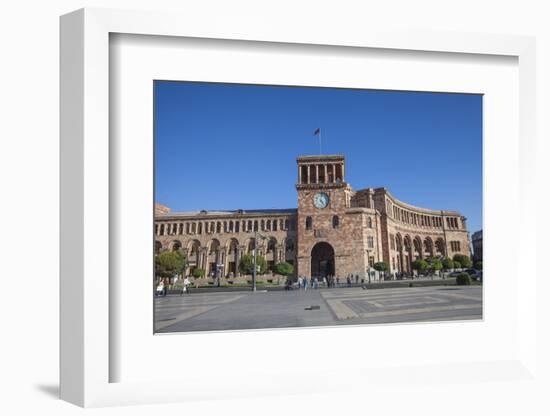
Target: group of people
point(305, 282)
point(162, 287)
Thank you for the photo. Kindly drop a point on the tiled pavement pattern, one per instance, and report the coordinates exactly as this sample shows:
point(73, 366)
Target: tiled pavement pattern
point(405, 305)
point(245, 310)
point(173, 309)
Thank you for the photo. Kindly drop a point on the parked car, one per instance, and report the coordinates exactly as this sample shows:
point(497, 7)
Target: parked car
point(475, 274)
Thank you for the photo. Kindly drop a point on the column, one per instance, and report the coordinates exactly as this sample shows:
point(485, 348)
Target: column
point(316, 173)
point(205, 259)
point(333, 172)
point(299, 174)
point(308, 174)
point(239, 256)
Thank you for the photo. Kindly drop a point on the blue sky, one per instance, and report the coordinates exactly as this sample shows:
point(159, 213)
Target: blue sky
point(231, 146)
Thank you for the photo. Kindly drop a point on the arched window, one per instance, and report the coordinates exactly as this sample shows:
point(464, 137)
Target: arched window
point(271, 245)
point(335, 221)
point(369, 222)
point(309, 223)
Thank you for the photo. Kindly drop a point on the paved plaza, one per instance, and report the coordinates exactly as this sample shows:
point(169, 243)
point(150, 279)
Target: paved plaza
point(281, 309)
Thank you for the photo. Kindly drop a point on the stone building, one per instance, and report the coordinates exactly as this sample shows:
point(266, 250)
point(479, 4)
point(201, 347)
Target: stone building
point(477, 245)
point(334, 230)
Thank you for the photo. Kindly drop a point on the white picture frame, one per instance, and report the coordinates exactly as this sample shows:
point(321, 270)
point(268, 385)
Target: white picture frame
point(87, 356)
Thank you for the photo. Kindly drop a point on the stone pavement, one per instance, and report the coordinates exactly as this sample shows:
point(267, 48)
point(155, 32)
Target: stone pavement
point(247, 310)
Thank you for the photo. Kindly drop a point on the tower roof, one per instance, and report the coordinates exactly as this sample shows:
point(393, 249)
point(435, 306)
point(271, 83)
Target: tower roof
point(315, 158)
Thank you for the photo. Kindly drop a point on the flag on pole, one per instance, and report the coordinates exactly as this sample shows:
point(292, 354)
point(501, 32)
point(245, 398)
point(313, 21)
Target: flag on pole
point(317, 133)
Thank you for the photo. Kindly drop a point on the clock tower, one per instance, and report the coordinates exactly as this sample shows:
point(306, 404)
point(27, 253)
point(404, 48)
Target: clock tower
point(323, 197)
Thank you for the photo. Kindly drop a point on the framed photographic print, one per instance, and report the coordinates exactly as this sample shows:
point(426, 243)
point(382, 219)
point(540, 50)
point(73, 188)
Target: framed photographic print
point(333, 255)
point(233, 203)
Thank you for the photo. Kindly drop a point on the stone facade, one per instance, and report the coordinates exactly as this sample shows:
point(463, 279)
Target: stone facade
point(477, 245)
point(334, 231)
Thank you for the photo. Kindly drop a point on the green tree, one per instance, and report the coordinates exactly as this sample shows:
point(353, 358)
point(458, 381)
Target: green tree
point(447, 263)
point(284, 269)
point(457, 265)
point(436, 265)
point(198, 273)
point(246, 266)
point(381, 266)
point(479, 265)
point(420, 265)
point(465, 261)
point(169, 263)
point(463, 279)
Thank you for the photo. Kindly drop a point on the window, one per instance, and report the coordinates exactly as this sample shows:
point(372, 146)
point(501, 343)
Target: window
point(309, 223)
point(335, 221)
point(455, 245)
point(369, 222)
point(370, 242)
point(392, 242)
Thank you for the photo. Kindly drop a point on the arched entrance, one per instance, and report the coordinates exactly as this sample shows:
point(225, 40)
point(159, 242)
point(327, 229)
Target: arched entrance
point(322, 260)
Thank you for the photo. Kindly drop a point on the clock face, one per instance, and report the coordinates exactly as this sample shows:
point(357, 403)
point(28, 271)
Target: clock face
point(320, 200)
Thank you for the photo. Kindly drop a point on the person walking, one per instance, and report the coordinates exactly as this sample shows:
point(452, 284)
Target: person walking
point(160, 288)
point(186, 286)
point(300, 282)
point(305, 283)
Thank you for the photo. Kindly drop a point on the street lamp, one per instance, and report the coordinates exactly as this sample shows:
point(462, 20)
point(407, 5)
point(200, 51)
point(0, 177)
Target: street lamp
point(256, 235)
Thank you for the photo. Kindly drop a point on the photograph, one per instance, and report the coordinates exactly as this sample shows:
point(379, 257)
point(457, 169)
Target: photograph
point(290, 207)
